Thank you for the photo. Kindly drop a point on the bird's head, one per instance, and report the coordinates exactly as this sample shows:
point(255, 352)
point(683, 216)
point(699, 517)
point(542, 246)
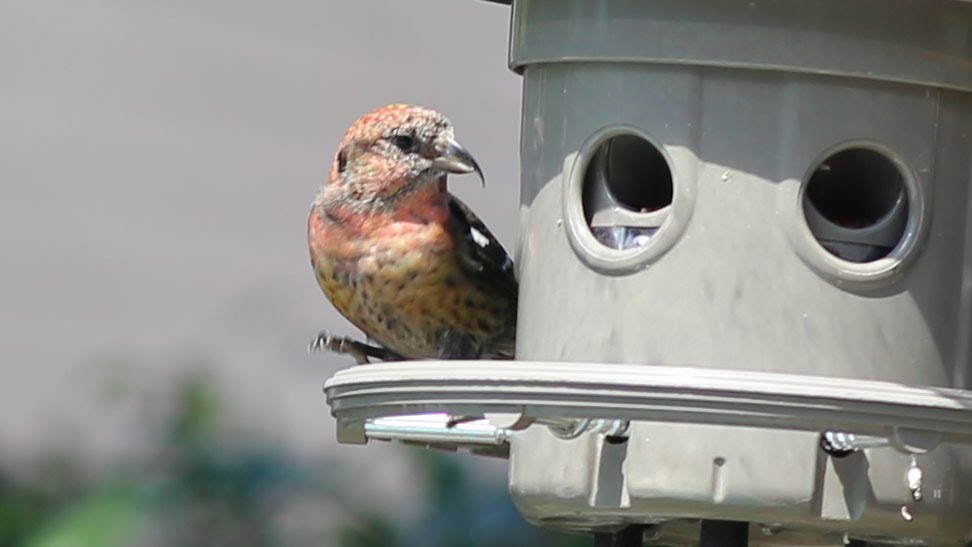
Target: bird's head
point(395, 149)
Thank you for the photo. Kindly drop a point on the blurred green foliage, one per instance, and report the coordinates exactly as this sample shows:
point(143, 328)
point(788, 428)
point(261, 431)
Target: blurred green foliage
point(198, 486)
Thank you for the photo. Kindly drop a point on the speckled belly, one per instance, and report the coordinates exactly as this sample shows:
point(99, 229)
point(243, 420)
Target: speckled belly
point(408, 302)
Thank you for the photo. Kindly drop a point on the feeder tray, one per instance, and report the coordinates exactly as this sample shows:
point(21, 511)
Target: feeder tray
point(621, 422)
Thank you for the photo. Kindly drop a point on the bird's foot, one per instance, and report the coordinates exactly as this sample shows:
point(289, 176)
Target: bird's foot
point(346, 345)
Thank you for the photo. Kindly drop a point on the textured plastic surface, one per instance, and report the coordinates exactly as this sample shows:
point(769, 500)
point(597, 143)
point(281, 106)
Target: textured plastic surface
point(741, 283)
point(553, 390)
point(702, 443)
point(916, 41)
point(779, 480)
point(748, 101)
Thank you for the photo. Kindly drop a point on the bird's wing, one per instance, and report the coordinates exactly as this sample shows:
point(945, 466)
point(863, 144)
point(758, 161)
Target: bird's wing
point(480, 253)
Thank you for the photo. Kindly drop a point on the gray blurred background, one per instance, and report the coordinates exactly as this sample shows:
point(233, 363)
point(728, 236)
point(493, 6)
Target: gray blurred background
point(157, 162)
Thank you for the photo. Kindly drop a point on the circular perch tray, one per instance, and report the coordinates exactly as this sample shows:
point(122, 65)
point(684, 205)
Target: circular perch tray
point(383, 401)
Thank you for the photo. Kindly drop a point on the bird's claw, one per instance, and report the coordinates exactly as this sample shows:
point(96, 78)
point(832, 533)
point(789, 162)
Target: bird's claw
point(343, 345)
point(346, 345)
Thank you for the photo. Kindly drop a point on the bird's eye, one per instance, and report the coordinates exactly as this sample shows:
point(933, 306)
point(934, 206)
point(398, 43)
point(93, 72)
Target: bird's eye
point(405, 143)
point(342, 161)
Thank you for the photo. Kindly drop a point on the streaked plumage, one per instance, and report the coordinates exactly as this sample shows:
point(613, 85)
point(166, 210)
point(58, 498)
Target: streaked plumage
point(398, 255)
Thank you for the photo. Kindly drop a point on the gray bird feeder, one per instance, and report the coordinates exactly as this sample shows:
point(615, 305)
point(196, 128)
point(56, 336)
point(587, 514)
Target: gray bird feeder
point(745, 265)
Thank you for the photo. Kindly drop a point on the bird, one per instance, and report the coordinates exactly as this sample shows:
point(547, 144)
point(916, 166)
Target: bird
point(399, 256)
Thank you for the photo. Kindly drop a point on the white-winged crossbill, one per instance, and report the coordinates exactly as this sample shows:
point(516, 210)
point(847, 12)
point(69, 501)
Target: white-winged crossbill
point(402, 258)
